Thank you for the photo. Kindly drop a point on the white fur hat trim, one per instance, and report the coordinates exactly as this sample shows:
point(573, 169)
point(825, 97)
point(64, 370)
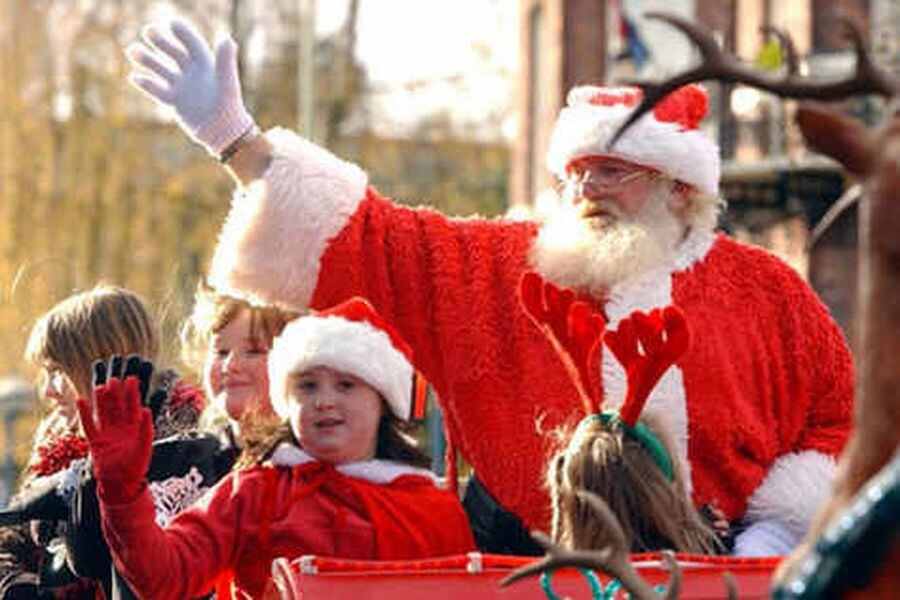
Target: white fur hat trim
point(353, 347)
point(584, 130)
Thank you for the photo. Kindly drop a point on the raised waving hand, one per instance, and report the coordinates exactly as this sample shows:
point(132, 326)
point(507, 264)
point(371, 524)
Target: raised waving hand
point(119, 429)
point(179, 70)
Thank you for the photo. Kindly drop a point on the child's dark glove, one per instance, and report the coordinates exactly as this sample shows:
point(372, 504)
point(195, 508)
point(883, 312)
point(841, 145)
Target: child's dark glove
point(132, 366)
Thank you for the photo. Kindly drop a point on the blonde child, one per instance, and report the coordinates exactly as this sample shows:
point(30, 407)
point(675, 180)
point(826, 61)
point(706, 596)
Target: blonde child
point(621, 455)
point(344, 481)
point(62, 345)
point(227, 341)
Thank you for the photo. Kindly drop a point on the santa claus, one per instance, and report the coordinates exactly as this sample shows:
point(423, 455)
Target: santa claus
point(759, 405)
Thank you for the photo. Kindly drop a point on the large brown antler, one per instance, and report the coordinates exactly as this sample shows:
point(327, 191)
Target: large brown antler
point(612, 560)
point(716, 64)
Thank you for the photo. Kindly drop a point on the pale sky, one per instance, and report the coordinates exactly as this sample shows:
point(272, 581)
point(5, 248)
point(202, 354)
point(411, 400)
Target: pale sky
point(423, 56)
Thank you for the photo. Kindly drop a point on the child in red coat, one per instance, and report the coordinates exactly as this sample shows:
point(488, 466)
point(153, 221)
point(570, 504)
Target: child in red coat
point(341, 483)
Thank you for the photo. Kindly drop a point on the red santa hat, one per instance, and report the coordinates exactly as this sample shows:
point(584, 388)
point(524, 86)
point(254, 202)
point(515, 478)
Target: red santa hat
point(668, 139)
point(351, 338)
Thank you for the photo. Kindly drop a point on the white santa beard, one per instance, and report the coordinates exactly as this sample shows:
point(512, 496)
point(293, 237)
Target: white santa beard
point(584, 254)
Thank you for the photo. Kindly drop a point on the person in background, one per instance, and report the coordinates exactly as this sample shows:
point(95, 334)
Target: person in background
point(62, 345)
point(57, 493)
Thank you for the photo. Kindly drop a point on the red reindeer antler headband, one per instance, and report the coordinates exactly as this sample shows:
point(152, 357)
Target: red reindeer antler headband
point(646, 344)
point(573, 329)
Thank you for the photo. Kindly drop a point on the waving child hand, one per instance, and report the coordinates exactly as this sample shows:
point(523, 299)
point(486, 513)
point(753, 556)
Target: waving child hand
point(179, 70)
point(120, 433)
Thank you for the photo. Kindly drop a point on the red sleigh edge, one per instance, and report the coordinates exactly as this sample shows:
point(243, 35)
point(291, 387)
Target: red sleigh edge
point(475, 576)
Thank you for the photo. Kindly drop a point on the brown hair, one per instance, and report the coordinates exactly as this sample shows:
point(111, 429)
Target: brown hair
point(81, 329)
point(91, 326)
point(213, 312)
point(393, 441)
point(654, 512)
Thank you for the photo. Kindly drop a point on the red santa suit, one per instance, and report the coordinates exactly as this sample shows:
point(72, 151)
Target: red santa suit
point(759, 406)
point(375, 509)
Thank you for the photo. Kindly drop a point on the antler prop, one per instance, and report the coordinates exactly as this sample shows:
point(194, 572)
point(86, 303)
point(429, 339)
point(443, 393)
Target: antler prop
point(612, 560)
point(647, 345)
point(716, 64)
point(574, 329)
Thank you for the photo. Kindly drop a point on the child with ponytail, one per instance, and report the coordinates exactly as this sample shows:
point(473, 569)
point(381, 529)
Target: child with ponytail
point(622, 455)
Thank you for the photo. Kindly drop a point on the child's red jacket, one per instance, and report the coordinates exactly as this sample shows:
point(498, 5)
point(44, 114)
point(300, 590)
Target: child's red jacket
point(370, 510)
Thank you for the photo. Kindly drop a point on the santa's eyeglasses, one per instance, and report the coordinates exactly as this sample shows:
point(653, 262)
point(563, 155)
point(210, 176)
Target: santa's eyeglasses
point(593, 174)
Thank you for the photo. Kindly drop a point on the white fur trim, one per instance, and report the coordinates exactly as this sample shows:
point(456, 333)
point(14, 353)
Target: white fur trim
point(273, 239)
point(352, 347)
point(376, 470)
point(794, 489)
point(765, 538)
point(686, 155)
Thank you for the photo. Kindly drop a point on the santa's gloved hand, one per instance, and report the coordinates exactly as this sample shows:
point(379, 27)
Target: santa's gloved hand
point(120, 433)
point(766, 538)
point(202, 88)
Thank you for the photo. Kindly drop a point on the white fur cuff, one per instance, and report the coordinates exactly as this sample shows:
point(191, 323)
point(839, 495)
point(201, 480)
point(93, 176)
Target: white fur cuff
point(278, 228)
point(765, 538)
point(794, 489)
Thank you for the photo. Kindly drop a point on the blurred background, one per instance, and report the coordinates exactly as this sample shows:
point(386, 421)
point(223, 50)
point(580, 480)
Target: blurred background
point(445, 103)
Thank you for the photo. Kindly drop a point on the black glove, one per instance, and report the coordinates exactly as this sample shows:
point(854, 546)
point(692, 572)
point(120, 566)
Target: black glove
point(132, 366)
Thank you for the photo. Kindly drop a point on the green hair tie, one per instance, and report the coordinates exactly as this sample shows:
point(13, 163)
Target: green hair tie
point(643, 435)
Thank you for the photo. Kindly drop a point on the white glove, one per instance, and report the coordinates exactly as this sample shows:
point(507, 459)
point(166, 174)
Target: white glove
point(203, 90)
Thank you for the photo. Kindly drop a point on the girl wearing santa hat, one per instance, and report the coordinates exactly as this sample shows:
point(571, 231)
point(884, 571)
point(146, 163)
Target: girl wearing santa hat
point(342, 481)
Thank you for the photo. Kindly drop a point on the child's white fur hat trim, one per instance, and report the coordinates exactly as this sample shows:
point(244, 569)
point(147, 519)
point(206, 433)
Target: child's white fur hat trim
point(357, 344)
